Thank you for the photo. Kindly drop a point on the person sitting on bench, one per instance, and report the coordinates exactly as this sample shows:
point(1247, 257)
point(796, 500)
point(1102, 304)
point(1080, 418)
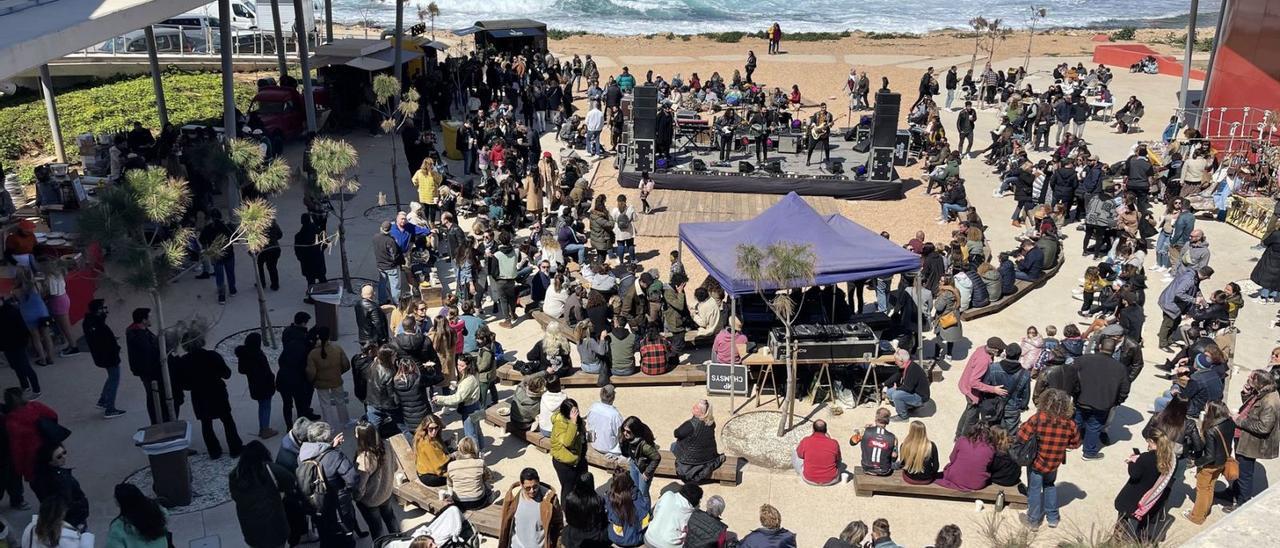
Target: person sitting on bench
point(1031, 265)
point(879, 445)
point(697, 456)
point(817, 457)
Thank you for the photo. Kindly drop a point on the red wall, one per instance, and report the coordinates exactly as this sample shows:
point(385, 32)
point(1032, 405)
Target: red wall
point(1246, 71)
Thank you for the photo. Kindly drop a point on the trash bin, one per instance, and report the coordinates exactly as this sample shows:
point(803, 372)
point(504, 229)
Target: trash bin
point(449, 130)
point(166, 447)
point(327, 297)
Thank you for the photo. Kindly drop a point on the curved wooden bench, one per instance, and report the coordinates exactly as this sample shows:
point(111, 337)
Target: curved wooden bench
point(686, 374)
point(1022, 288)
point(729, 473)
point(866, 485)
point(487, 520)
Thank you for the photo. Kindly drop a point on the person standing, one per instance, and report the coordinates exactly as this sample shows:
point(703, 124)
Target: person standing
point(389, 259)
point(1140, 502)
point(971, 385)
point(568, 444)
point(308, 248)
point(965, 122)
point(291, 380)
point(377, 476)
point(750, 66)
point(1266, 273)
point(1215, 431)
point(216, 234)
point(467, 398)
point(266, 497)
point(952, 81)
point(775, 38)
point(105, 351)
point(269, 257)
point(1104, 385)
point(144, 362)
point(927, 85)
point(1138, 174)
point(336, 517)
point(252, 363)
point(371, 323)
point(595, 125)
point(325, 365)
point(205, 376)
point(1258, 424)
point(1177, 299)
point(1055, 433)
point(531, 514)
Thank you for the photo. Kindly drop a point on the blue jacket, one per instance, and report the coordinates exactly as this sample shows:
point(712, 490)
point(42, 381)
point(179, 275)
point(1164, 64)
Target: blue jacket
point(1033, 263)
point(404, 237)
point(1091, 182)
point(1203, 387)
point(769, 538)
point(630, 534)
point(1062, 112)
point(1180, 294)
point(1182, 227)
point(1007, 286)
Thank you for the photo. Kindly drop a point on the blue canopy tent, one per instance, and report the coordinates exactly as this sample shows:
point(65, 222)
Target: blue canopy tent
point(846, 251)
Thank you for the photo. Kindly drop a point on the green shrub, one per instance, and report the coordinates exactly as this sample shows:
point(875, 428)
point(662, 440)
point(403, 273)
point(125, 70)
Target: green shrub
point(111, 105)
point(731, 37)
point(891, 36)
point(557, 34)
point(815, 36)
point(1203, 43)
point(1124, 33)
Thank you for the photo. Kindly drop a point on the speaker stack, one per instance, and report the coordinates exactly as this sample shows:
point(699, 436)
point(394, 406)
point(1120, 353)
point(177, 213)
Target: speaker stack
point(644, 122)
point(884, 135)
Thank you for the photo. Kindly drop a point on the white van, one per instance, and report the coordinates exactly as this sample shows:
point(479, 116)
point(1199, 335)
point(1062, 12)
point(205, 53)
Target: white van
point(311, 10)
point(243, 14)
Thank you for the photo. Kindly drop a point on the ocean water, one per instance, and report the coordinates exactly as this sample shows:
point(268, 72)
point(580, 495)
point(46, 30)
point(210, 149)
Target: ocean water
point(694, 16)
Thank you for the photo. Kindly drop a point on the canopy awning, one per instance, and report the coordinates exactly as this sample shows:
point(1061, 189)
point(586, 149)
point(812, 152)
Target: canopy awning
point(515, 33)
point(845, 250)
point(364, 54)
point(464, 31)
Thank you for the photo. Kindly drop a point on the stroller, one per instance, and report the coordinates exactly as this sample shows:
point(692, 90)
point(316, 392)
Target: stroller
point(468, 538)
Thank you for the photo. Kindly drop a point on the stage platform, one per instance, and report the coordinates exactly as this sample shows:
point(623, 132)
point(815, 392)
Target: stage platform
point(815, 179)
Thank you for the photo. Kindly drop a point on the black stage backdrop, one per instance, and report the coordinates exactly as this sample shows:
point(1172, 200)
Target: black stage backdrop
point(719, 182)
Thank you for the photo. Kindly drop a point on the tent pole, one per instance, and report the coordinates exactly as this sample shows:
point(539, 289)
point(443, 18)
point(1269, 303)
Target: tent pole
point(919, 321)
point(733, 353)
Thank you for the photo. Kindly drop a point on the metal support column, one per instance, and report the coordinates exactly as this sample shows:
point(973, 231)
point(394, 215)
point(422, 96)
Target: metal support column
point(398, 43)
point(1183, 101)
point(157, 83)
point(1223, 14)
point(228, 76)
point(279, 35)
point(51, 108)
point(328, 20)
point(308, 99)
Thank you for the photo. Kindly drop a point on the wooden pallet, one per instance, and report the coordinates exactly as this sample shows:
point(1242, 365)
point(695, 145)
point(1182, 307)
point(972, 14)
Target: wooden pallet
point(487, 520)
point(728, 474)
point(682, 375)
point(866, 485)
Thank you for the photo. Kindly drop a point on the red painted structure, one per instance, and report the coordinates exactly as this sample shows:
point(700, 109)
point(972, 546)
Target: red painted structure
point(1125, 55)
point(1246, 71)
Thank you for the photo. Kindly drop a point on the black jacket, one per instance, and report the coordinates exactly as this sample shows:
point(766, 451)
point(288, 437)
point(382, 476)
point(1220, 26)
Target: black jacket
point(1064, 181)
point(704, 530)
point(1024, 185)
point(1102, 382)
point(261, 503)
point(292, 376)
point(386, 253)
point(16, 336)
point(53, 481)
point(102, 341)
point(252, 363)
point(144, 352)
point(952, 79)
point(695, 442)
point(371, 324)
point(414, 346)
point(380, 389)
point(1203, 387)
point(1217, 444)
point(205, 374)
point(411, 392)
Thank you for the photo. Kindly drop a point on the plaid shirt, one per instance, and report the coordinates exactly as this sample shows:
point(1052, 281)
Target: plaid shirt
point(1055, 436)
point(654, 357)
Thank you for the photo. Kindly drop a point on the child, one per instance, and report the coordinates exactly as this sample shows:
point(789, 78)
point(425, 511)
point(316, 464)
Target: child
point(1093, 283)
point(1050, 338)
point(646, 188)
point(677, 267)
point(1032, 345)
point(1006, 269)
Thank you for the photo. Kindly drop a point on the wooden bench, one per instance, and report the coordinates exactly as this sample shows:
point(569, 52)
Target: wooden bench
point(866, 485)
point(545, 320)
point(728, 474)
point(683, 375)
point(487, 520)
point(1022, 288)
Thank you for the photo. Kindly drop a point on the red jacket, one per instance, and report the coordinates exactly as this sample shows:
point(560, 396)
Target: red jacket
point(24, 436)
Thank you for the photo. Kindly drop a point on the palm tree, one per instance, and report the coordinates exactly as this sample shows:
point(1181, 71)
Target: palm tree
point(256, 216)
point(386, 90)
point(430, 12)
point(331, 159)
point(780, 266)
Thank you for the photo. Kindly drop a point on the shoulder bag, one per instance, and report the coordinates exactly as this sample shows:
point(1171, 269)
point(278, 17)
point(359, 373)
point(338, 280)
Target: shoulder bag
point(1230, 470)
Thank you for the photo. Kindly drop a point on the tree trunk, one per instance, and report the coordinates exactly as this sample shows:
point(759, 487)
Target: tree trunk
point(264, 319)
point(395, 162)
point(342, 240)
point(973, 60)
point(1026, 61)
point(166, 406)
point(789, 403)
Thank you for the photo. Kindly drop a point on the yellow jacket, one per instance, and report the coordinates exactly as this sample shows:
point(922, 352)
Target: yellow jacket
point(426, 184)
point(567, 440)
point(430, 458)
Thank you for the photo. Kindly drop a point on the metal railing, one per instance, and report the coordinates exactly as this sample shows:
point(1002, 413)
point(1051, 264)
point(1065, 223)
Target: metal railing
point(195, 41)
point(1233, 128)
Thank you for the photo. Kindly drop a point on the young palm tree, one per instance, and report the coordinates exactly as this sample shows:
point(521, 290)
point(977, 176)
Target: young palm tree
point(780, 266)
point(386, 90)
point(257, 215)
point(331, 159)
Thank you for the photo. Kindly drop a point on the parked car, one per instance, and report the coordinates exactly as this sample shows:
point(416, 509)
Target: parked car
point(279, 112)
point(168, 40)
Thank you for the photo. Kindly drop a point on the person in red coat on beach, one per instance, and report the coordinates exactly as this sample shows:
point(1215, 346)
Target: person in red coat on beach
point(21, 421)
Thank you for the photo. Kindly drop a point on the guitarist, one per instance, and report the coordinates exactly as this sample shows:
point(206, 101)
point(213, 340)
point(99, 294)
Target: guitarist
point(820, 132)
point(725, 126)
point(759, 130)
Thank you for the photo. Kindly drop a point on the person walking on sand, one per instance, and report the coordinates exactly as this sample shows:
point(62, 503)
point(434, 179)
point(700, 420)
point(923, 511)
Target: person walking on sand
point(775, 38)
point(751, 65)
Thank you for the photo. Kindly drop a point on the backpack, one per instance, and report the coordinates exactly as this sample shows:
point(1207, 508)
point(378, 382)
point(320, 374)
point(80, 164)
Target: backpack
point(311, 482)
point(623, 222)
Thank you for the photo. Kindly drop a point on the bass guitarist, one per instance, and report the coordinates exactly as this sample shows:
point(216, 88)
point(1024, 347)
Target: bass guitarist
point(820, 133)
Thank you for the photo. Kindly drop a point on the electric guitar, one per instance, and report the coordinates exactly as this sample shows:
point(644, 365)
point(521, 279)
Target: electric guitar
point(820, 129)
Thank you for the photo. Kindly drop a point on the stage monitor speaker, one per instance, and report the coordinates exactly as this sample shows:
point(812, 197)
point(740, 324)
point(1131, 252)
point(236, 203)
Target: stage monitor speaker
point(644, 155)
point(851, 134)
point(774, 167)
point(901, 148)
point(884, 125)
point(862, 145)
point(746, 167)
point(881, 167)
point(698, 165)
point(837, 166)
point(788, 144)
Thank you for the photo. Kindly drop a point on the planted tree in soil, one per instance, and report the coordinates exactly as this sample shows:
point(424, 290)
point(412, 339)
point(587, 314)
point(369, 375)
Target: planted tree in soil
point(780, 266)
point(331, 159)
point(395, 114)
point(257, 217)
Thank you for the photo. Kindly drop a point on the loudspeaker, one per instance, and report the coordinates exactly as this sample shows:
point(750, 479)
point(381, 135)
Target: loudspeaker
point(746, 167)
point(774, 167)
point(884, 124)
point(698, 165)
point(837, 166)
point(644, 155)
point(901, 148)
point(862, 145)
point(881, 167)
point(644, 112)
point(851, 134)
point(789, 144)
